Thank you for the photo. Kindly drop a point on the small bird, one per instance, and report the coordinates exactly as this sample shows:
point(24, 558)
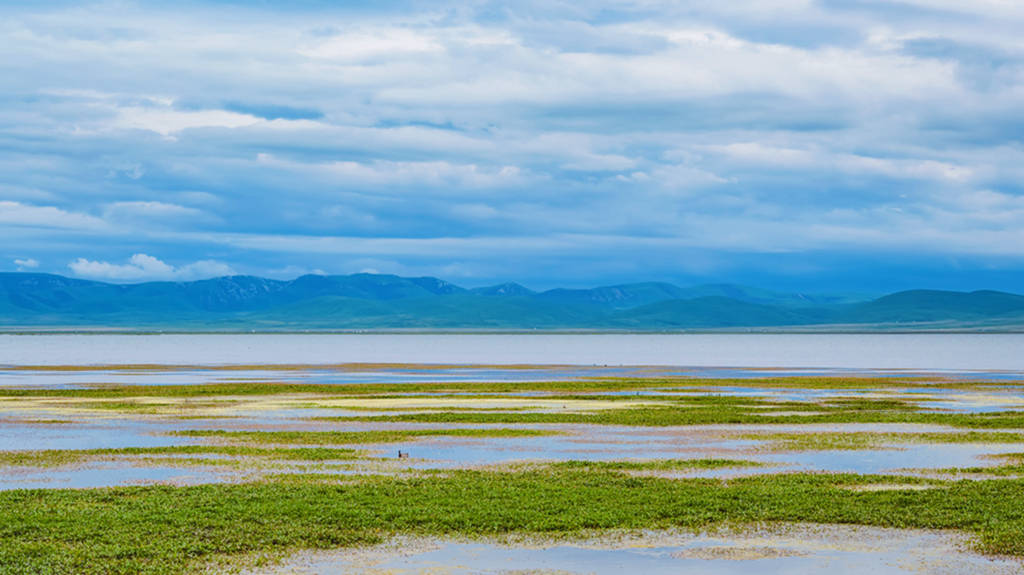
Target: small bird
point(402, 454)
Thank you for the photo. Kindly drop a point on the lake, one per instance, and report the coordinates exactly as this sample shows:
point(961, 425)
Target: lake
point(926, 352)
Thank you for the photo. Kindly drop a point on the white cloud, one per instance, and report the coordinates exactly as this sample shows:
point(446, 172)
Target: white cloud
point(385, 172)
point(986, 8)
point(26, 264)
point(903, 168)
point(368, 44)
point(168, 121)
point(757, 153)
point(146, 267)
point(18, 214)
point(600, 162)
point(679, 177)
point(294, 271)
point(149, 210)
point(765, 155)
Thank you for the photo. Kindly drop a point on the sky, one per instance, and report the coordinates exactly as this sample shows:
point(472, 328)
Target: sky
point(816, 145)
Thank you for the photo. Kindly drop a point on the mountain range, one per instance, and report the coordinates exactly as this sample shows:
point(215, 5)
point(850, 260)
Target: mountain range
point(379, 301)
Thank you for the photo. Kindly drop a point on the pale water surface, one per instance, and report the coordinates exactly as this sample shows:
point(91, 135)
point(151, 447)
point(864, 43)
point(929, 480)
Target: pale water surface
point(800, 550)
point(928, 352)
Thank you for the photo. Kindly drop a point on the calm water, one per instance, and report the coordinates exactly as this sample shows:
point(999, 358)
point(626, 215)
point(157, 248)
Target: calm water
point(794, 550)
point(929, 352)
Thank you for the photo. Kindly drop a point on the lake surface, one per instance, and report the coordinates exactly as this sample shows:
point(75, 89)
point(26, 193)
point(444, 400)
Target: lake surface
point(926, 352)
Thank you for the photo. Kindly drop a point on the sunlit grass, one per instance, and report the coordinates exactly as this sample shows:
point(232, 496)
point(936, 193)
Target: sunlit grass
point(178, 529)
point(57, 457)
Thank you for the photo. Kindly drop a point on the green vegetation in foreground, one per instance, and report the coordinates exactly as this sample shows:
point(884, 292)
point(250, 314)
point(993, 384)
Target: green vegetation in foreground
point(56, 457)
point(352, 437)
point(656, 464)
point(158, 529)
point(875, 440)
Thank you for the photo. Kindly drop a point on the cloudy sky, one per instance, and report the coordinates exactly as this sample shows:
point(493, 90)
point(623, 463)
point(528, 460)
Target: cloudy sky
point(860, 145)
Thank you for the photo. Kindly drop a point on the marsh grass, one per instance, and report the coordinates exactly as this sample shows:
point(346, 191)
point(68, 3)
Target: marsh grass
point(41, 458)
point(58, 457)
point(655, 465)
point(588, 385)
point(662, 416)
point(425, 408)
point(704, 408)
point(178, 529)
point(821, 441)
point(874, 440)
point(1013, 466)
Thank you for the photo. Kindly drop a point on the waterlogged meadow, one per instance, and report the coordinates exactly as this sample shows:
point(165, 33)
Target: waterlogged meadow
point(355, 468)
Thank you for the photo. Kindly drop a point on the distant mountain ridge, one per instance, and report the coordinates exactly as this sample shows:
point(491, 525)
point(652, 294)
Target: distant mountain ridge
point(381, 301)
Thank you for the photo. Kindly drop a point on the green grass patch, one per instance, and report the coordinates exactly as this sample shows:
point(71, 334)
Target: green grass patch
point(294, 453)
point(875, 440)
point(166, 530)
point(1013, 467)
point(960, 437)
point(33, 421)
point(41, 458)
point(867, 404)
point(820, 441)
point(660, 416)
point(424, 408)
point(1015, 470)
point(57, 457)
point(656, 465)
point(129, 406)
point(590, 385)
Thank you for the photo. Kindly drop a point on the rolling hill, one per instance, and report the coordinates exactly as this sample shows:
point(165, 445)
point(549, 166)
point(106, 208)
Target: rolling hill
point(378, 301)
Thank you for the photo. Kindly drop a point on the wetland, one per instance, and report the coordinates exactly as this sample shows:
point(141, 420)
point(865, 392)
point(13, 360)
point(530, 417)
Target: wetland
point(407, 468)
